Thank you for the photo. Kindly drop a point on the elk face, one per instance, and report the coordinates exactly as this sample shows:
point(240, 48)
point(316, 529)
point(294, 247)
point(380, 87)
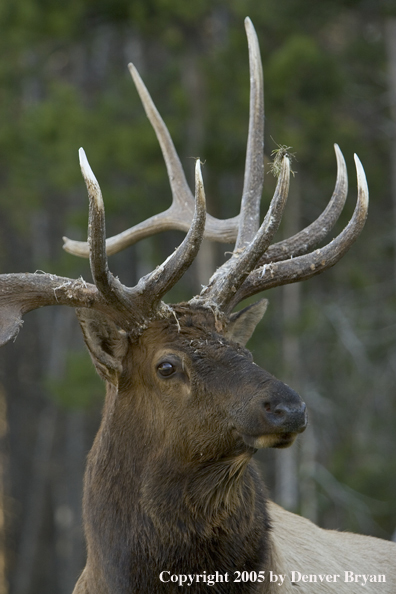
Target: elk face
point(213, 390)
point(208, 397)
point(209, 381)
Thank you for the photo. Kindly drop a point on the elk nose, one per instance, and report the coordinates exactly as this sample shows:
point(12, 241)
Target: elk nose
point(290, 417)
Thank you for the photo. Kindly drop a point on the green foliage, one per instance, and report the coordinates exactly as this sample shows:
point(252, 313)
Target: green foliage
point(29, 21)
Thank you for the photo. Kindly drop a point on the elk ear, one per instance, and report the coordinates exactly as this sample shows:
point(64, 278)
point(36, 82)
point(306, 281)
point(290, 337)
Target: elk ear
point(243, 323)
point(107, 344)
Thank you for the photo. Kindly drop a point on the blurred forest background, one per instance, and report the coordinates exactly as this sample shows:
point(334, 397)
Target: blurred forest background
point(330, 76)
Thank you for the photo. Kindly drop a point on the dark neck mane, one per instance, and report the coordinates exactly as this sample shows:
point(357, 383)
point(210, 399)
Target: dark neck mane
point(145, 515)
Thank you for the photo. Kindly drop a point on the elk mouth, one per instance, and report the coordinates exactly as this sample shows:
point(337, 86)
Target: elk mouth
point(271, 440)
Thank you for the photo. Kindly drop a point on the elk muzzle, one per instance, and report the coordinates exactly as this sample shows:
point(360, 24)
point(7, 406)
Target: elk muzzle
point(273, 418)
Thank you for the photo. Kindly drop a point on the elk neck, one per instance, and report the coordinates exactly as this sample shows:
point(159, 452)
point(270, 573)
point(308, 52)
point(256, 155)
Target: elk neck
point(169, 483)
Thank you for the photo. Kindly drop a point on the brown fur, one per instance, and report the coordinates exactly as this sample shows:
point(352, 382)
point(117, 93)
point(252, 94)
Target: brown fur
point(170, 484)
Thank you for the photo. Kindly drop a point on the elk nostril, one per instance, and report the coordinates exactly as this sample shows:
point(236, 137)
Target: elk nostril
point(278, 410)
point(281, 410)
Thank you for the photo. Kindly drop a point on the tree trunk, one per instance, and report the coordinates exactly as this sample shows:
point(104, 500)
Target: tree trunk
point(29, 546)
point(67, 495)
point(286, 476)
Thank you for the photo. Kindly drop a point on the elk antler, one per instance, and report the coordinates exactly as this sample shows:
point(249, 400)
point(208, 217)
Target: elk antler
point(145, 297)
point(253, 267)
point(250, 270)
point(179, 214)
point(302, 267)
point(130, 308)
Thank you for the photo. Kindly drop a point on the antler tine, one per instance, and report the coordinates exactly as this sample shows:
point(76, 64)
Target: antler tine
point(110, 288)
point(228, 278)
point(180, 190)
point(165, 276)
point(96, 227)
point(306, 239)
point(182, 208)
point(254, 166)
point(308, 265)
point(164, 221)
point(179, 215)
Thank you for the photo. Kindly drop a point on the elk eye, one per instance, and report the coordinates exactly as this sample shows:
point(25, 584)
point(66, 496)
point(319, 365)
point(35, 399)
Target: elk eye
point(166, 369)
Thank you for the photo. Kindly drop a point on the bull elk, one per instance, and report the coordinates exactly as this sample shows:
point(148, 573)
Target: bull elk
point(171, 494)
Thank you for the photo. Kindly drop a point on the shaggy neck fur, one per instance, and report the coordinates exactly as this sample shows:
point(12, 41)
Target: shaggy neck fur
point(146, 513)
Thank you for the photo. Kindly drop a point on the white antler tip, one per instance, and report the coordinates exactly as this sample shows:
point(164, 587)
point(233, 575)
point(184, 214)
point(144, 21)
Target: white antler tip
point(341, 165)
point(361, 180)
point(338, 152)
point(198, 172)
point(90, 180)
point(135, 75)
point(199, 185)
point(252, 38)
point(86, 168)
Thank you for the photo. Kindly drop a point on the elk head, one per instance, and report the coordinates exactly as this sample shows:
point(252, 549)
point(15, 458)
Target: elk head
point(182, 349)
